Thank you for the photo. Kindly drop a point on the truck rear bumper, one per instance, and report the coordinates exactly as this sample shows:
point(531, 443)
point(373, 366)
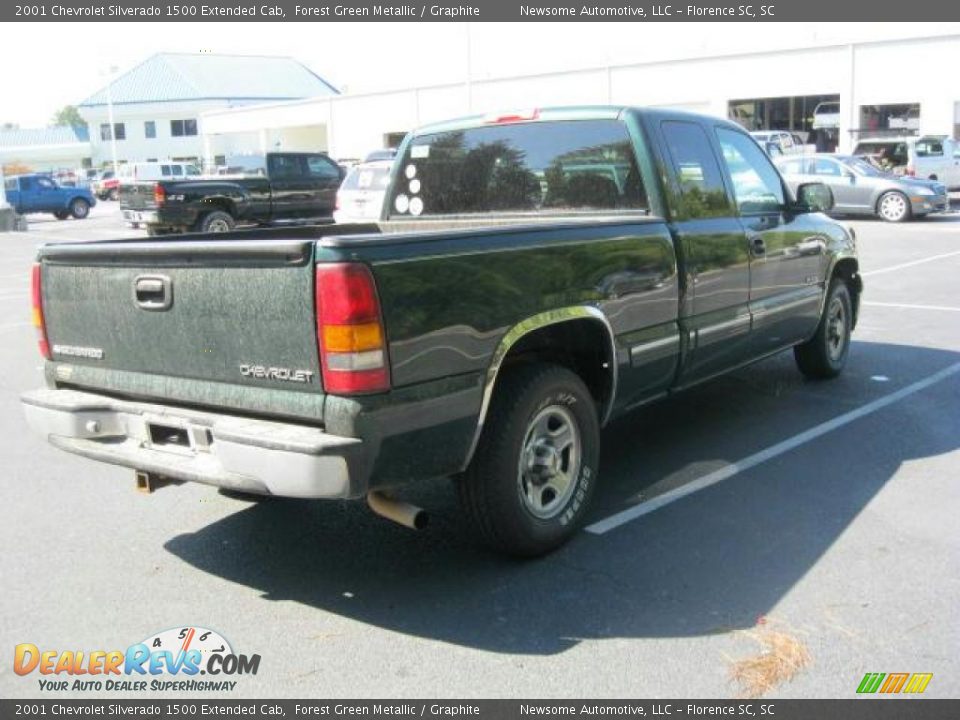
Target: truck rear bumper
point(257, 456)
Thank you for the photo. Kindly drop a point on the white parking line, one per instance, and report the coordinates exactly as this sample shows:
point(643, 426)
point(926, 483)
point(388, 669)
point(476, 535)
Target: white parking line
point(717, 476)
point(910, 264)
point(905, 306)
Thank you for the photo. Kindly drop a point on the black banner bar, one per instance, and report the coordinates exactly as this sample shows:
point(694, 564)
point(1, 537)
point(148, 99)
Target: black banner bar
point(873, 708)
point(479, 11)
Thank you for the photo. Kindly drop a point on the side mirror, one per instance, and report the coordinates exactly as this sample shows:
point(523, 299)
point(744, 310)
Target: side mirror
point(815, 197)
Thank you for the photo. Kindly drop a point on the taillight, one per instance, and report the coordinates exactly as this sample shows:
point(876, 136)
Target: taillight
point(353, 352)
point(911, 171)
point(159, 194)
point(36, 299)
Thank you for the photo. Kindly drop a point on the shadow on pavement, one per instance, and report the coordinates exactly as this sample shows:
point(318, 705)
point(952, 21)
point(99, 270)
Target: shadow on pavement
point(710, 563)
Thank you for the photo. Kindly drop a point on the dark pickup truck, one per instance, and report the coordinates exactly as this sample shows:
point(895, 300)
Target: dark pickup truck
point(531, 277)
point(295, 188)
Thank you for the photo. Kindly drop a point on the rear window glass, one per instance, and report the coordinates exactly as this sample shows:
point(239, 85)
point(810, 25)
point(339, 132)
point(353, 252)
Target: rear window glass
point(550, 167)
point(367, 178)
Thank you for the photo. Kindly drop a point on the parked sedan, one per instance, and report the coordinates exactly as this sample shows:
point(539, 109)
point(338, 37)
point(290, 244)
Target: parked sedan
point(859, 188)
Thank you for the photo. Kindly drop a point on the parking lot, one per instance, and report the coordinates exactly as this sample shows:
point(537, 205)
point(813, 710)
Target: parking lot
point(821, 511)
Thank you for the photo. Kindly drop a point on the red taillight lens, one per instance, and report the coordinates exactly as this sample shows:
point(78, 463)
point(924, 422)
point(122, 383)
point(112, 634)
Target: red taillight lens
point(36, 300)
point(353, 353)
point(159, 194)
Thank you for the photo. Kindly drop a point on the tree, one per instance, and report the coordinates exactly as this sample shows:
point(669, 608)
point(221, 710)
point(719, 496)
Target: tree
point(68, 115)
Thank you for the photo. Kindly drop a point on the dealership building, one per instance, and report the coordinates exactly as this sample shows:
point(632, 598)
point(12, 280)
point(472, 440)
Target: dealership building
point(883, 86)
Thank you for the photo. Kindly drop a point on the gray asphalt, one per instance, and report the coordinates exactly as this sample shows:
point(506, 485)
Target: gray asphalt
point(848, 543)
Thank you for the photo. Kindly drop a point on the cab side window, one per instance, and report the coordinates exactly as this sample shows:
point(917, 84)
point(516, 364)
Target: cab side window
point(702, 192)
point(321, 167)
point(756, 183)
point(822, 166)
point(286, 167)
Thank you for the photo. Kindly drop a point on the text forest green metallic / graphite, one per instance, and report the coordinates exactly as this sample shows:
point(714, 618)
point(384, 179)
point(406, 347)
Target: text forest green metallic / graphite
point(638, 301)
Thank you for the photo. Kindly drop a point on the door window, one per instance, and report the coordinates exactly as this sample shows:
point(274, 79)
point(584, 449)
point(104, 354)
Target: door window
point(45, 184)
point(320, 167)
point(756, 183)
point(824, 167)
point(702, 193)
point(286, 167)
point(792, 167)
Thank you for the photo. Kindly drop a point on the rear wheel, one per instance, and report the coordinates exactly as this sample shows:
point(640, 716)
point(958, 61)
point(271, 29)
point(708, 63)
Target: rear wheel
point(893, 206)
point(79, 208)
point(825, 354)
point(527, 489)
point(217, 222)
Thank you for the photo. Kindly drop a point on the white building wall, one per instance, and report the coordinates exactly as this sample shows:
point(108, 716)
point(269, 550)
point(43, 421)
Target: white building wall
point(902, 71)
point(136, 147)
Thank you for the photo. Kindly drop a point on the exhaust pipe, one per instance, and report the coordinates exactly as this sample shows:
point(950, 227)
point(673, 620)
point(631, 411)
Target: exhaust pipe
point(401, 512)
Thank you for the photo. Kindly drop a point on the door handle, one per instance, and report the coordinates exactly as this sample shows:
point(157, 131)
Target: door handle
point(757, 246)
point(152, 292)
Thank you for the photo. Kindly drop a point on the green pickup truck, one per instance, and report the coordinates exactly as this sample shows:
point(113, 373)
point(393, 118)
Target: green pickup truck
point(532, 276)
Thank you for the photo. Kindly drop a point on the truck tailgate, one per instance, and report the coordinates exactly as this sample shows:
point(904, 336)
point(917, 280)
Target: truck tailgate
point(239, 313)
point(137, 196)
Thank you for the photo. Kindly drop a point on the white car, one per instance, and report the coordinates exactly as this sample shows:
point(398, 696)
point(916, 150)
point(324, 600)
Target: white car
point(931, 157)
point(826, 116)
point(784, 139)
point(361, 194)
point(150, 171)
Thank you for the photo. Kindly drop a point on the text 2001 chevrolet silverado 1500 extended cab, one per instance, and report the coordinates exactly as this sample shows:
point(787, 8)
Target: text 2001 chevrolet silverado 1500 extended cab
point(531, 277)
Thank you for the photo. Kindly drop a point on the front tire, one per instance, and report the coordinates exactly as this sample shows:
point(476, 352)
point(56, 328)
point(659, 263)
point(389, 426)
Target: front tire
point(62, 214)
point(527, 489)
point(893, 206)
point(217, 222)
point(79, 208)
point(825, 354)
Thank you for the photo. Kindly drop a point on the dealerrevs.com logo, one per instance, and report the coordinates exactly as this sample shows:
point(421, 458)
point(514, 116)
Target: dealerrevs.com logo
point(172, 660)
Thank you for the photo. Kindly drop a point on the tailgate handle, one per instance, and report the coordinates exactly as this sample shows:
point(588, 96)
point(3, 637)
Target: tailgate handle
point(153, 292)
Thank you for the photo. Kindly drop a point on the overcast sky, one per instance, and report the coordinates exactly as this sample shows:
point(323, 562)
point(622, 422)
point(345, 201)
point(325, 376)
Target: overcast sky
point(49, 65)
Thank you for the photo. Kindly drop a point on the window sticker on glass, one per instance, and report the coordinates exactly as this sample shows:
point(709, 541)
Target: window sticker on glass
point(420, 151)
point(402, 203)
point(414, 186)
point(411, 170)
point(416, 206)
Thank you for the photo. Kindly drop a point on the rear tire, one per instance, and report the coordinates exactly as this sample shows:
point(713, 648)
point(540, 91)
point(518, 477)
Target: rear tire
point(528, 486)
point(79, 208)
point(217, 222)
point(825, 354)
point(893, 206)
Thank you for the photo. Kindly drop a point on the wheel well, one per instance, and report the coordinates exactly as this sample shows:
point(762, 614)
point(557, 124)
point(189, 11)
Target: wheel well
point(848, 270)
point(583, 346)
point(218, 204)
